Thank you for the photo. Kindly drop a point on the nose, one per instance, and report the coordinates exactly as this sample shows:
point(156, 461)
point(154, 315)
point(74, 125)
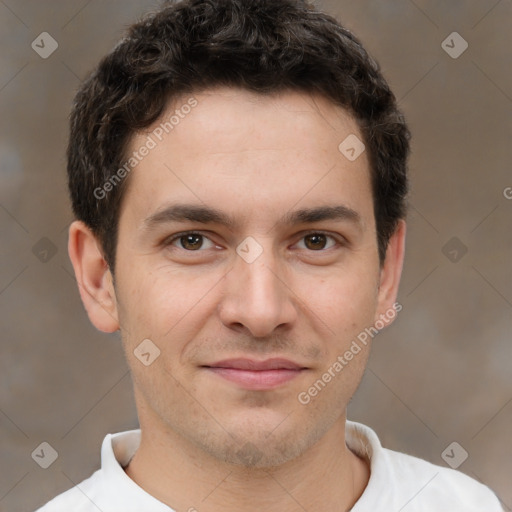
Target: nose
point(257, 299)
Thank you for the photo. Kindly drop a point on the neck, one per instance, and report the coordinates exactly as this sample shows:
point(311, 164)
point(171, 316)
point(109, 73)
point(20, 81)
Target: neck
point(328, 476)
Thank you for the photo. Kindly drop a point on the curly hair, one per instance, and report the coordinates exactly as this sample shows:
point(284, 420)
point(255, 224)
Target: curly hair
point(264, 46)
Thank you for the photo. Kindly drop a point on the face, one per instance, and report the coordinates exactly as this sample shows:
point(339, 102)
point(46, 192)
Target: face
point(247, 254)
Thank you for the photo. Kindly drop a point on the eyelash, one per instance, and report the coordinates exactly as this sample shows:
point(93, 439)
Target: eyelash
point(340, 241)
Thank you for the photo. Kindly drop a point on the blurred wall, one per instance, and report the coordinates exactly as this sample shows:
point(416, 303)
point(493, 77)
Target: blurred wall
point(440, 374)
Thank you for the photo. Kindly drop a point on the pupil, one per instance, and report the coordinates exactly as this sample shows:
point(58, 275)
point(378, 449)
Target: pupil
point(315, 241)
point(191, 241)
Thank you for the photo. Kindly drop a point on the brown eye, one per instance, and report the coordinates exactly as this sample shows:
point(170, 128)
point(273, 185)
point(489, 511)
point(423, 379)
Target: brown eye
point(316, 241)
point(188, 242)
point(191, 242)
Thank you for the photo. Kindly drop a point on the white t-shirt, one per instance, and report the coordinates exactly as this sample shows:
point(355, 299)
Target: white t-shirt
point(398, 482)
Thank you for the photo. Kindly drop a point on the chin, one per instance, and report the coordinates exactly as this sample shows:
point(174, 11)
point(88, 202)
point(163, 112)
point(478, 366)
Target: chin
point(262, 444)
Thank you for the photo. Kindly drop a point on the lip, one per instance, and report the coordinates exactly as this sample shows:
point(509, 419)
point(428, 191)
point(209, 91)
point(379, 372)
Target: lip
point(241, 363)
point(256, 375)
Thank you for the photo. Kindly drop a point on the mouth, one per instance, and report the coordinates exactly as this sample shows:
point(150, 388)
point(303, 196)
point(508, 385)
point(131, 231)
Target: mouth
point(256, 375)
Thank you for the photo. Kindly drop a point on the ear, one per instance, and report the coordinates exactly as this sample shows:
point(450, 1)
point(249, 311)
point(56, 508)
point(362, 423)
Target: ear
point(94, 278)
point(391, 271)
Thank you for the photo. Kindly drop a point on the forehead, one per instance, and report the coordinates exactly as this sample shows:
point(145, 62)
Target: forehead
point(238, 120)
point(224, 143)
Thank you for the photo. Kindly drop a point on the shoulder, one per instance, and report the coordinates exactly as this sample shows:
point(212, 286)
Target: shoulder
point(109, 489)
point(408, 483)
point(80, 498)
point(438, 488)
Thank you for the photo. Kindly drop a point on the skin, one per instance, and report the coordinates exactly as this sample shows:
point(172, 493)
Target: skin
point(255, 158)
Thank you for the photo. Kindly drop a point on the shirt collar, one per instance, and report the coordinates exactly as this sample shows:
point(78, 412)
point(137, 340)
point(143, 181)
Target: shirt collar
point(118, 449)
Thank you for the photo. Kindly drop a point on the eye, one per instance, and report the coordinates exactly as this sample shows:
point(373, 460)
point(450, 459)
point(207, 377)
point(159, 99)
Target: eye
point(317, 241)
point(190, 241)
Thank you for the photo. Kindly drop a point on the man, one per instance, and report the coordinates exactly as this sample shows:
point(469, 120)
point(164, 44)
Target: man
point(237, 169)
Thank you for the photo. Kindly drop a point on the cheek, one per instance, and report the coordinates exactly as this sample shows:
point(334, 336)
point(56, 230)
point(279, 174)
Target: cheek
point(157, 307)
point(345, 302)
point(144, 306)
point(164, 306)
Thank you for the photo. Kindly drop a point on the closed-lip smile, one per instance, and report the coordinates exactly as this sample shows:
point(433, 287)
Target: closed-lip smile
point(256, 375)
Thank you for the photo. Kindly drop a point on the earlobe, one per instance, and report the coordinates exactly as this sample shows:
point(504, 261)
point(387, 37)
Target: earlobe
point(391, 271)
point(93, 277)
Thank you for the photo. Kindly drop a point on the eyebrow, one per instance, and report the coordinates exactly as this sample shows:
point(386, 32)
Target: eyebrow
point(209, 215)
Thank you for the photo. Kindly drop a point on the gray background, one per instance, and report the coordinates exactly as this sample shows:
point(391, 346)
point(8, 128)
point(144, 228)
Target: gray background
point(440, 374)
